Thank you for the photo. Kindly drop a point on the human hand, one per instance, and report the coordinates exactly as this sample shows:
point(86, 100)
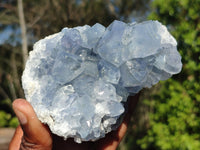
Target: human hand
point(32, 134)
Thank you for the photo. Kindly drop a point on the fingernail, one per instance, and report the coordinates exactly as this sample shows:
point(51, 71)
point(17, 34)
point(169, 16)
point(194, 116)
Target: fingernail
point(21, 117)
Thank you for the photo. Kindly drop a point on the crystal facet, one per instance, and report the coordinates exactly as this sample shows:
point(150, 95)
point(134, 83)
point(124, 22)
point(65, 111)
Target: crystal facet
point(78, 79)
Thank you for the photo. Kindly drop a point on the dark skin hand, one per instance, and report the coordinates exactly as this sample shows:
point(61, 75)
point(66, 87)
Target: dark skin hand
point(31, 134)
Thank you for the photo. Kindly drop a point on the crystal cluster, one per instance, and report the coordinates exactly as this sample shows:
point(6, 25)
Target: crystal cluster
point(77, 79)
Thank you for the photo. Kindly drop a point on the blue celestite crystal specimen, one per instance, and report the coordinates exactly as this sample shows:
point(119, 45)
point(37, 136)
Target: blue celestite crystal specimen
point(77, 79)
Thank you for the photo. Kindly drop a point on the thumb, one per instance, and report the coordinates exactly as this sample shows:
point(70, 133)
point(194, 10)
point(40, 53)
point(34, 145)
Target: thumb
point(35, 134)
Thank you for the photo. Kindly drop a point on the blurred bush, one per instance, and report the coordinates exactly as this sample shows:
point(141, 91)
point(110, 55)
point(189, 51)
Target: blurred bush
point(174, 121)
point(6, 120)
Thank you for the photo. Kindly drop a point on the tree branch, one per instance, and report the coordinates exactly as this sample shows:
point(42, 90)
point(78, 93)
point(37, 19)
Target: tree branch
point(23, 31)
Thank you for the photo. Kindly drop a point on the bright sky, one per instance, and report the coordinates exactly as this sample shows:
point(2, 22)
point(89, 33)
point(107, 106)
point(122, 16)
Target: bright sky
point(7, 33)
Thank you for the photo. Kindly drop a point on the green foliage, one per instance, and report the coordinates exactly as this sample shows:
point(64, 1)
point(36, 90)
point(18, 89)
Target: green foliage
point(13, 122)
point(6, 120)
point(4, 117)
point(175, 119)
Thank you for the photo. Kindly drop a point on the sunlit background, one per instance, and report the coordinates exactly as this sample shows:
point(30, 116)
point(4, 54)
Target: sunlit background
point(167, 116)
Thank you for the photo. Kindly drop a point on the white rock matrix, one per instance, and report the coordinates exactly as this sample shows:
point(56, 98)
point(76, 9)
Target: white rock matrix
point(78, 79)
